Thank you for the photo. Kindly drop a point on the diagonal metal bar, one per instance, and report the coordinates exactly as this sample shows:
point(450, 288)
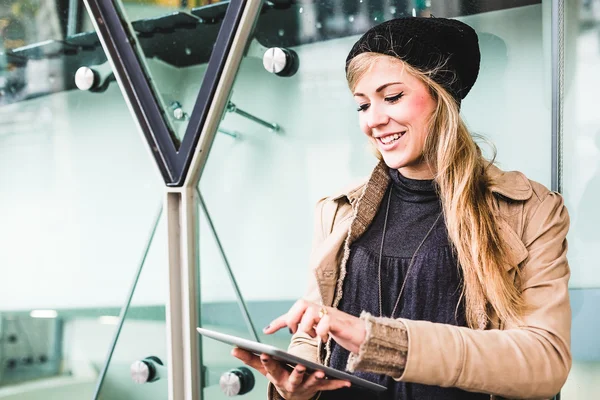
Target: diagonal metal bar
point(209, 85)
point(128, 302)
point(236, 288)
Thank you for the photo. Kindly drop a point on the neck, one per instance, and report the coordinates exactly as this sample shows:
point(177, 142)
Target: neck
point(420, 172)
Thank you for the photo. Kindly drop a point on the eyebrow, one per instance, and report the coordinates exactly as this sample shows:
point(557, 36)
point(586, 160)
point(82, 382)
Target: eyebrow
point(380, 88)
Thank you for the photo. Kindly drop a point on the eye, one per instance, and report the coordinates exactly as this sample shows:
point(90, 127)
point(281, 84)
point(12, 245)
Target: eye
point(393, 99)
point(363, 107)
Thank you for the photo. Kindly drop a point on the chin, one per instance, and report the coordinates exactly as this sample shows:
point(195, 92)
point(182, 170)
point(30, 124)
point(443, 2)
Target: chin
point(393, 161)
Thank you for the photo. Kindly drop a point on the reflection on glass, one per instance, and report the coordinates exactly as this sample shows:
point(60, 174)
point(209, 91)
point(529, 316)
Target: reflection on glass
point(21, 22)
point(41, 47)
point(176, 39)
point(31, 346)
point(73, 223)
point(581, 151)
point(581, 188)
point(138, 363)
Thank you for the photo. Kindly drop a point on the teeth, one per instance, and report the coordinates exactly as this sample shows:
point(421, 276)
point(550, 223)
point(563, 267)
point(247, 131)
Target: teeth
point(390, 138)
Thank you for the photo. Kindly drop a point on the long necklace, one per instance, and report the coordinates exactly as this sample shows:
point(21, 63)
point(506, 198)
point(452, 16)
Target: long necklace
point(411, 260)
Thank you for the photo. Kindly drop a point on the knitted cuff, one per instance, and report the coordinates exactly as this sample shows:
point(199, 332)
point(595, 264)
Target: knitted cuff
point(385, 347)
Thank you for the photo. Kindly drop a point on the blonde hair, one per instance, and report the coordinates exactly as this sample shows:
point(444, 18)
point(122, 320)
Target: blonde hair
point(467, 201)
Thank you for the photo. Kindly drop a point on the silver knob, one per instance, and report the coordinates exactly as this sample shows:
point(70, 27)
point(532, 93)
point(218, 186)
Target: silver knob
point(230, 384)
point(178, 112)
point(146, 370)
point(85, 78)
point(274, 60)
point(237, 382)
point(95, 78)
point(280, 61)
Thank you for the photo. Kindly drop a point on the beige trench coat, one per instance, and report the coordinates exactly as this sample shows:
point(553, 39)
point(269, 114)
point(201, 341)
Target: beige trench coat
point(530, 361)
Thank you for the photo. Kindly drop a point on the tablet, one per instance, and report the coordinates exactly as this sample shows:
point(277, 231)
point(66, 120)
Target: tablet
point(290, 359)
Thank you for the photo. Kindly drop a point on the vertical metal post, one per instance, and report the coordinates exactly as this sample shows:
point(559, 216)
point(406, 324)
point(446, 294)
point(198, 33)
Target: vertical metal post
point(557, 92)
point(182, 308)
point(207, 135)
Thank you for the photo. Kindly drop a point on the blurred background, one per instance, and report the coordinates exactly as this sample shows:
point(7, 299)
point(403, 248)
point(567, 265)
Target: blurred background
point(81, 199)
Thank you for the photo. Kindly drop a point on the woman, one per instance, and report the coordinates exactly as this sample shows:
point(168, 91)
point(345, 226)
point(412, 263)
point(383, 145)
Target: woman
point(441, 277)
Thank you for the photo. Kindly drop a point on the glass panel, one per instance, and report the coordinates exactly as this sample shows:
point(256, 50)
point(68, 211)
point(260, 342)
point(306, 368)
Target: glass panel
point(581, 189)
point(143, 335)
point(261, 186)
point(220, 309)
point(176, 42)
point(512, 96)
point(78, 192)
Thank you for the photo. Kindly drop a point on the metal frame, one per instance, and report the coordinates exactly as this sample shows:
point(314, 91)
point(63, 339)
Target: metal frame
point(557, 54)
point(183, 351)
point(183, 312)
point(182, 200)
point(120, 44)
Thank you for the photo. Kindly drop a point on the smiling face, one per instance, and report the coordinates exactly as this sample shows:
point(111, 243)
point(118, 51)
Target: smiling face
point(394, 110)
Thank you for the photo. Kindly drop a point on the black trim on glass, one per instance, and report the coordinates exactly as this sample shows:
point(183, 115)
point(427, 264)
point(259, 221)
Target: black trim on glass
point(173, 162)
point(216, 64)
point(120, 49)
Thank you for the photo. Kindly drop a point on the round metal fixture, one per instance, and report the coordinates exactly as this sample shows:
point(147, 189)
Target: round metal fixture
point(86, 78)
point(146, 370)
point(237, 382)
point(281, 61)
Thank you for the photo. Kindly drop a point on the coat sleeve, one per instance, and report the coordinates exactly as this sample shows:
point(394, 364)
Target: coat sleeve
point(527, 361)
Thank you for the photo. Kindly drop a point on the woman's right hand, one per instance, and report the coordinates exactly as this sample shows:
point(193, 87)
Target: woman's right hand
point(294, 385)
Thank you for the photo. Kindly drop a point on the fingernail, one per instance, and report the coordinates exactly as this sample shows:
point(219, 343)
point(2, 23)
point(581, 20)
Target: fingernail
point(291, 331)
point(266, 327)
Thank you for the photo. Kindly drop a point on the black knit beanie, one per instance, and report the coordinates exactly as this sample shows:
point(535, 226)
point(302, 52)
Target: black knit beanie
point(427, 44)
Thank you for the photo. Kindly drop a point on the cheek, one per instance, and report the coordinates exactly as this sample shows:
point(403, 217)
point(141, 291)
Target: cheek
point(418, 108)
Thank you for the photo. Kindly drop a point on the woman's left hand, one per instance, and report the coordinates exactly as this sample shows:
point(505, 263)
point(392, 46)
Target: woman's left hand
point(348, 331)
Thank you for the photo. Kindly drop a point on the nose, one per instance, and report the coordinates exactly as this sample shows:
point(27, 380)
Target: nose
point(376, 117)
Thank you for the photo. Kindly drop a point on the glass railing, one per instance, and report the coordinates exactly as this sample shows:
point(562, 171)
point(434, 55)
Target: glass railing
point(136, 366)
point(78, 194)
point(581, 189)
